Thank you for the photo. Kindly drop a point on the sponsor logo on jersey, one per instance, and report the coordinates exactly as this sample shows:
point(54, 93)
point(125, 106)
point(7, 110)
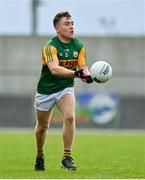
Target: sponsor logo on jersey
point(69, 63)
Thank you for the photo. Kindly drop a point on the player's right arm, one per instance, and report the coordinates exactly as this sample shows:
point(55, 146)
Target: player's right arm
point(51, 60)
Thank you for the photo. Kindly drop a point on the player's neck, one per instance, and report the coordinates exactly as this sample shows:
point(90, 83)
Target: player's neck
point(64, 39)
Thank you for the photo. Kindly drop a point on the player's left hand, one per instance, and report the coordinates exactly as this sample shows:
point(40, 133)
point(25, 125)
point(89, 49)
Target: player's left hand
point(88, 79)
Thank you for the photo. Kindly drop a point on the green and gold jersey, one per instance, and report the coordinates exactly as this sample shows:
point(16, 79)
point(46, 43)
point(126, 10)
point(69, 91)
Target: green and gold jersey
point(69, 55)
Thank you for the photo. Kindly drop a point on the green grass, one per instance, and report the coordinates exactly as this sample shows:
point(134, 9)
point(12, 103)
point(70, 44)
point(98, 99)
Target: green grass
point(98, 155)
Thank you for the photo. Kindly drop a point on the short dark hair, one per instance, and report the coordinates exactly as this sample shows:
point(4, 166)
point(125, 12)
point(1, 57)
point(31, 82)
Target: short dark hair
point(59, 16)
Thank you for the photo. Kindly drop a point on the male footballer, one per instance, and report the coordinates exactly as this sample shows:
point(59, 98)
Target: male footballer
point(63, 59)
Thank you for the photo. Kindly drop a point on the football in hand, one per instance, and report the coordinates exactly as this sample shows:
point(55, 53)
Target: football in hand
point(101, 71)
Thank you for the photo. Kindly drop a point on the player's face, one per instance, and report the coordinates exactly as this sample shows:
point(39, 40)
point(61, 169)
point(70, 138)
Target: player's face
point(65, 28)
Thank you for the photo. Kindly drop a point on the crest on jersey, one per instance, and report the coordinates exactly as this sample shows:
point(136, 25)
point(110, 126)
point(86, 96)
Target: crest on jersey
point(75, 54)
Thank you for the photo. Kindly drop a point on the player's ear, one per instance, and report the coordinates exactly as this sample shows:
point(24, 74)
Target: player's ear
point(57, 28)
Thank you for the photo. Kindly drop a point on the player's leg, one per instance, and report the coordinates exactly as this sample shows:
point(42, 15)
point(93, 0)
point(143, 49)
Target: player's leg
point(42, 124)
point(66, 105)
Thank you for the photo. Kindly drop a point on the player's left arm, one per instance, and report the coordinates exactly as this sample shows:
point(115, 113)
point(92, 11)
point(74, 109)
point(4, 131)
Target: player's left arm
point(82, 65)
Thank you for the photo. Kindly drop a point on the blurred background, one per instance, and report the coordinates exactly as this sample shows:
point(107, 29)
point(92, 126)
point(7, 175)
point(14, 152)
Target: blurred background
point(111, 30)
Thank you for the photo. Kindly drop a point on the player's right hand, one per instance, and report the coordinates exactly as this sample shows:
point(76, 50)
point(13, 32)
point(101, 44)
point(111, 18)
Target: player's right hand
point(79, 74)
point(85, 78)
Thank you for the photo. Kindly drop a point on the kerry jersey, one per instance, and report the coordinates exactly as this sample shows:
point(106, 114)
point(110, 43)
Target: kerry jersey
point(69, 56)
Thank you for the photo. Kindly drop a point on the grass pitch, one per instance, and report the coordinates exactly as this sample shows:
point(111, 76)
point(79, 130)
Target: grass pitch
point(98, 155)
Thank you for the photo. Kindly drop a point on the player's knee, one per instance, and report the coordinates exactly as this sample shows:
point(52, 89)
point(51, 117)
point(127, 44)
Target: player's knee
point(69, 118)
point(42, 129)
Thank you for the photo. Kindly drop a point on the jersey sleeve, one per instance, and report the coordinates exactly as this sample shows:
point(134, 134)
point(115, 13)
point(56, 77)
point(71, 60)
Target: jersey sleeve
point(82, 57)
point(49, 53)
